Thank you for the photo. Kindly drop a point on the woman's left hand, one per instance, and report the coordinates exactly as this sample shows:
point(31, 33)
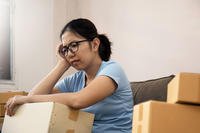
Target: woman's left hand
point(13, 102)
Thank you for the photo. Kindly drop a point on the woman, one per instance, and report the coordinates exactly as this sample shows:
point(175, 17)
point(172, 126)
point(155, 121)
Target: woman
point(99, 86)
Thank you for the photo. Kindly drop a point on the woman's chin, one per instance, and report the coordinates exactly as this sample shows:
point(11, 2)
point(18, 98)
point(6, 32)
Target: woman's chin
point(77, 67)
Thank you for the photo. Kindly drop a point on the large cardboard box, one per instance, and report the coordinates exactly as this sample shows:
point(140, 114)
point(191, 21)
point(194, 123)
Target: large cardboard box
point(48, 117)
point(4, 96)
point(184, 88)
point(162, 117)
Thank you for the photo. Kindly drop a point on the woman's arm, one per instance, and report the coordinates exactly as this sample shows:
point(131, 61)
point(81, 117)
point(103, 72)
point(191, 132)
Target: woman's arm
point(46, 85)
point(55, 90)
point(98, 89)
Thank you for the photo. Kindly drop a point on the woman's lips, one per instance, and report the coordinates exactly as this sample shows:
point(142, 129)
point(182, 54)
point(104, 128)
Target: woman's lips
point(74, 62)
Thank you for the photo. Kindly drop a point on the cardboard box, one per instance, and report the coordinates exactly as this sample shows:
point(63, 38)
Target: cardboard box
point(162, 117)
point(184, 88)
point(48, 117)
point(1, 122)
point(4, 96)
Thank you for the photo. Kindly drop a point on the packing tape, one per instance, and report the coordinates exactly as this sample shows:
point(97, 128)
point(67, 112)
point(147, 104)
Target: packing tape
point(70, 131)
point(140, 112)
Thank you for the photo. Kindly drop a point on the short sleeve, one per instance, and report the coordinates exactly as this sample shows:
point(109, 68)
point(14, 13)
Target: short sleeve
point(115, 72)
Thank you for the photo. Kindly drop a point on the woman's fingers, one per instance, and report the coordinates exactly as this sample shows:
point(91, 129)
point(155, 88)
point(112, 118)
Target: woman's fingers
point(10, 105)
point(61, 55)
point(59, 51)
point(7, 106)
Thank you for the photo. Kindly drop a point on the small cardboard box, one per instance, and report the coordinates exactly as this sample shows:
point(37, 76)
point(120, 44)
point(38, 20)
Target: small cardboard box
point(162, 117)
point(184, 88)
point(48, 117)
point(4, 96)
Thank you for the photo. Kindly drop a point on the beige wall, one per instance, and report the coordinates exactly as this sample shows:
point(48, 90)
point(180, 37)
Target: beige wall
point(151, 38)
point(36, 27)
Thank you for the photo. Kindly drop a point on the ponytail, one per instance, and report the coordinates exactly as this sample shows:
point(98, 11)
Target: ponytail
point(105, 47)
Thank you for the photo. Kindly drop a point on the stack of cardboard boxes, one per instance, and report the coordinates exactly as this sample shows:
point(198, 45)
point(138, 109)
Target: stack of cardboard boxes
point(4, 96)
point(181, 112)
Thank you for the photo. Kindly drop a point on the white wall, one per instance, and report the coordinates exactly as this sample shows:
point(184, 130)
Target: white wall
point(151, 38)
point(33, 41)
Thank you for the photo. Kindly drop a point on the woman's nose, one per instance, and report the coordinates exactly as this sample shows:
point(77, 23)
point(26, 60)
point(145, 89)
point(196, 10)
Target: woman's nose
point(70, 54)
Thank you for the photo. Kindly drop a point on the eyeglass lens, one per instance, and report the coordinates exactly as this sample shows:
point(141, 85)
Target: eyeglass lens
point(72, 47)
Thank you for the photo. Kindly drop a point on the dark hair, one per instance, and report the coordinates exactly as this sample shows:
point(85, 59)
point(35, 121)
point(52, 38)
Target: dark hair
point(87, 29)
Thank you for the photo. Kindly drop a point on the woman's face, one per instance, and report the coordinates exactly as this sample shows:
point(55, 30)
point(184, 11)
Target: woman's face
point(80, 54)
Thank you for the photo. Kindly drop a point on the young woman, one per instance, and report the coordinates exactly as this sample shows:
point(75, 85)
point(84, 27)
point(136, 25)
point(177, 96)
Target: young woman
point(99, 86)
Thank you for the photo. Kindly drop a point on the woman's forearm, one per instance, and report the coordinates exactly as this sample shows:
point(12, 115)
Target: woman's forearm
point(46, 85)
point(68, 99)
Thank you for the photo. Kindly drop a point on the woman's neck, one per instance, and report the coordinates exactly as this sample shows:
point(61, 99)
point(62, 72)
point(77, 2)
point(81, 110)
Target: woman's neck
point(92, 70)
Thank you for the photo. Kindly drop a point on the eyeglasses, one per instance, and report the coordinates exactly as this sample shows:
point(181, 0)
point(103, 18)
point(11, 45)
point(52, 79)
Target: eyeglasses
point(72, 47)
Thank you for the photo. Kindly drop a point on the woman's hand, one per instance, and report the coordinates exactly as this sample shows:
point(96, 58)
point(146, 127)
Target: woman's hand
point(62, 60)
point(14, 102)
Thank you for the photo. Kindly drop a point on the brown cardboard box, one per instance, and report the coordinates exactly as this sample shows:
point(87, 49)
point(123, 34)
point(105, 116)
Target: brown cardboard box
point(162, 117)
point(4, 96)
point(1, 122)
point(2, 109)
point(48, 117)
point(184, 88)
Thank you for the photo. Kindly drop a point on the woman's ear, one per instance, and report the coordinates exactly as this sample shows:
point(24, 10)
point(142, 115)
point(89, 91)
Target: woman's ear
point(95, 43)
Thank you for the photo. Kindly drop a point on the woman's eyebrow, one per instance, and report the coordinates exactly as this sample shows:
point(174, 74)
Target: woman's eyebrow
point(66, 44)
point(71, 42)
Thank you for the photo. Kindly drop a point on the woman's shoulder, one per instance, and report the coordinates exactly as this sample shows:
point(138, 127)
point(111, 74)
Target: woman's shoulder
point(110, 67)
point(111, 63)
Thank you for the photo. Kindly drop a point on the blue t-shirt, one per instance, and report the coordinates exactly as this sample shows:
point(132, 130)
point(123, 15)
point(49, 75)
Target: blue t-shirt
point(114, 113)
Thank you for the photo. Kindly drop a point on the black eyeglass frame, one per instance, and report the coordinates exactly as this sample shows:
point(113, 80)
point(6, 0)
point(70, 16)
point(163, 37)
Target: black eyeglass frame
point(65, 49)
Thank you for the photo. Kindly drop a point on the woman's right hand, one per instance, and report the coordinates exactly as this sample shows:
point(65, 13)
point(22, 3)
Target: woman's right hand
point(62, 60)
